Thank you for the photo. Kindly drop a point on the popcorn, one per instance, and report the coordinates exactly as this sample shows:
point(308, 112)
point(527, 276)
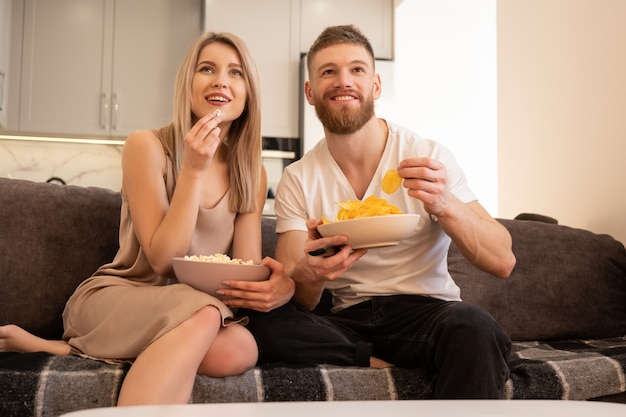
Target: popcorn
point(217, 258)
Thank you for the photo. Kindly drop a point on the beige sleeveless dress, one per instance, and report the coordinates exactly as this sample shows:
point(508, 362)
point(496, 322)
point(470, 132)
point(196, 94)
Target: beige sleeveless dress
point(124, 306)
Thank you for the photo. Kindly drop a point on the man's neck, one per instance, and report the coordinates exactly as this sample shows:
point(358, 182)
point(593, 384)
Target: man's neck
point(358, 154)
point(365, 144)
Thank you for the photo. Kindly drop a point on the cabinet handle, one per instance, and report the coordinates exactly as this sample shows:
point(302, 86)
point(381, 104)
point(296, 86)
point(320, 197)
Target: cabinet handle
point(116, 107)
point(2, 75)
point(104, 111)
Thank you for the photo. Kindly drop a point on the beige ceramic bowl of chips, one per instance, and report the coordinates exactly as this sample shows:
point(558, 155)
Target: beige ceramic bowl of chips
point(373, 232)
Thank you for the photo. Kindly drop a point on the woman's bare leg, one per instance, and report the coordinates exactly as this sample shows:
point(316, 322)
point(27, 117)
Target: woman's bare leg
point(15, 339)
point(379, 363)
point(233, 352)
point(164, 373)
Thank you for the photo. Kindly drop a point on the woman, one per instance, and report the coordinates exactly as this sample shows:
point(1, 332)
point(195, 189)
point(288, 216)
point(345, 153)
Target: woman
point(195, 186)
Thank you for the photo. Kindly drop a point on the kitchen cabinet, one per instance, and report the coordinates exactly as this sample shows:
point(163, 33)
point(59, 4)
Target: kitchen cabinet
point(288, 29)
point(373, 17)
point(102, 67)
point(5, 36)
point(274, 45)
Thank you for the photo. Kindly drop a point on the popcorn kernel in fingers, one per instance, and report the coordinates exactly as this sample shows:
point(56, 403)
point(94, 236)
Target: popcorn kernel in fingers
point(391, 181)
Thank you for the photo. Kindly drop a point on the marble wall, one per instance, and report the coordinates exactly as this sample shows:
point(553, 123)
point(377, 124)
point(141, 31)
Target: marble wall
point(85, 164)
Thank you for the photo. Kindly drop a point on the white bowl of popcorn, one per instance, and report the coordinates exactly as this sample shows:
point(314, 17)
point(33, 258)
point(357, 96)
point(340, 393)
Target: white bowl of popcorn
point(206, 273)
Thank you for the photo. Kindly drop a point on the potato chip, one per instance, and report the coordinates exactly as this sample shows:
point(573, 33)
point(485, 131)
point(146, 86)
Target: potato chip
point(391, 181)
point(371, 206)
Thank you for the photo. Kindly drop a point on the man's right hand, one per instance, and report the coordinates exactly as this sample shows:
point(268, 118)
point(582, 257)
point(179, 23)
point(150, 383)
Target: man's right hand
point(328, 266)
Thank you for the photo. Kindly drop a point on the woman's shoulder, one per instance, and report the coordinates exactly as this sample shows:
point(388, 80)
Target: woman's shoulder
point(143, 141)
point(145, 137)
point(143, 156)
point(143, 145)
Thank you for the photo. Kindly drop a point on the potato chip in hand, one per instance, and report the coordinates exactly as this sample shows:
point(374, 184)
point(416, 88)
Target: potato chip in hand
point(391, 181)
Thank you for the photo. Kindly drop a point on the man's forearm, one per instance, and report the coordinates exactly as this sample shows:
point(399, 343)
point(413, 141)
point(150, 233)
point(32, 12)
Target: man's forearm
point(481, 239)
point(308, 292)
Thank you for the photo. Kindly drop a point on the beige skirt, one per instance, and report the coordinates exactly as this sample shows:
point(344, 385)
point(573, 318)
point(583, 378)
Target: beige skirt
point(114, 319)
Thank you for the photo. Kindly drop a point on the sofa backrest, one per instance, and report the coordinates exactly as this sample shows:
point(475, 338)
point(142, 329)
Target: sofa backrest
point(52, 237)
point(568, 283)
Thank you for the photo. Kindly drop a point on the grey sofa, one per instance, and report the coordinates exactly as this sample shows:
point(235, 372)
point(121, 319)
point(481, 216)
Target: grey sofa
point(564, 306)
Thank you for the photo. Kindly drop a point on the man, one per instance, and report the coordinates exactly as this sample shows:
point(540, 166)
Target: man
point(399, 302)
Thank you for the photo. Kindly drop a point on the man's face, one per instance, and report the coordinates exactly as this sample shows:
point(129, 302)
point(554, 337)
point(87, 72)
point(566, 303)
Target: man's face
point(343, 87)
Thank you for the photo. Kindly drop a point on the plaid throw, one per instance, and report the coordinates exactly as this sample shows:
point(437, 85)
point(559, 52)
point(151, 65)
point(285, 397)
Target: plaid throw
point(38, 384)
point(567, 370)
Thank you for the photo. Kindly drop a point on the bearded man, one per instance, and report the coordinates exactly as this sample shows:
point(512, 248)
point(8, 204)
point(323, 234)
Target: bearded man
point(393, 305)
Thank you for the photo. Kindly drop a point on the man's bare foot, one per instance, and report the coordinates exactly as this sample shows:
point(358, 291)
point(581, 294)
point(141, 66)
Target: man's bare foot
point(379, 363)
point(15, 339)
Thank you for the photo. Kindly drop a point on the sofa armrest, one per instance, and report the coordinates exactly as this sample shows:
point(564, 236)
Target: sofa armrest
point(567, 283)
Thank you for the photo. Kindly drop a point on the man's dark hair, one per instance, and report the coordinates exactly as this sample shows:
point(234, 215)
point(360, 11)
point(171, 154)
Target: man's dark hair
point(334, 35)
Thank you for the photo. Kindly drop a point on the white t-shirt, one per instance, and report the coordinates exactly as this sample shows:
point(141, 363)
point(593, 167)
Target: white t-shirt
point(310, 187)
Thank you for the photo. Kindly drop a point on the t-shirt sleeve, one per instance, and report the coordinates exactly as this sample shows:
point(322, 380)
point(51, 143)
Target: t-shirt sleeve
point(456, 177)
point(289, 204)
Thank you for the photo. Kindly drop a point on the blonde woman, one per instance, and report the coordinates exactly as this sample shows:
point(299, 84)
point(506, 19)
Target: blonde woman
point(195, 186)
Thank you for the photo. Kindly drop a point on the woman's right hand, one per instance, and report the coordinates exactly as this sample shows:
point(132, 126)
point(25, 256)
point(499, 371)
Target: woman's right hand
point(201, 142)
point(261, 296)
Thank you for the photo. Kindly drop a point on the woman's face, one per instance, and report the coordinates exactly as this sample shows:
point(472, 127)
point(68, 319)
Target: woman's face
point(218, 83)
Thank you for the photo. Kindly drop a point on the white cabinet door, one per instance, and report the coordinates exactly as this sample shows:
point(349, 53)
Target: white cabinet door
point(102, 67)
point(270, 29)
point(373, 17)
point(151, 39)
point(64, 70)
point(5, 39)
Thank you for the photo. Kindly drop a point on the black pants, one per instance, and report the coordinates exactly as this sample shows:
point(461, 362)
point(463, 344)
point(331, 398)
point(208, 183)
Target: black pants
point(294, 336)
point(460, 343)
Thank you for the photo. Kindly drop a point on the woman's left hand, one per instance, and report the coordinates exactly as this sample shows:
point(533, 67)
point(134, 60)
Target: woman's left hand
point(261, 296)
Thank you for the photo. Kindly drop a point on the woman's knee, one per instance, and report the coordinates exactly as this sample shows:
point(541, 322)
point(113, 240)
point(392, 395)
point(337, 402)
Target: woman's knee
point(233, 352)
point(206, 315)
point(204, 323)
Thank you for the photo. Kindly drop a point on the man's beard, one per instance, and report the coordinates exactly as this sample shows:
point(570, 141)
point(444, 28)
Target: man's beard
point(345, 120)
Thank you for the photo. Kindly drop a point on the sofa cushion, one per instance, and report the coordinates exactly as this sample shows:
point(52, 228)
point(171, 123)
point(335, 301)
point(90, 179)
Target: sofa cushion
point(270, 238)
point(567, 283)
point(53, 237)
point(42, 384)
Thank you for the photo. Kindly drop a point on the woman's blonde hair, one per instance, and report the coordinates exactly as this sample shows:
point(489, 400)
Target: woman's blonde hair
point(241, 149)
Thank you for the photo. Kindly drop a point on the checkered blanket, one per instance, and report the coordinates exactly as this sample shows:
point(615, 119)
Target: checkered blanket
point(38, 384)
point(567, 370)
